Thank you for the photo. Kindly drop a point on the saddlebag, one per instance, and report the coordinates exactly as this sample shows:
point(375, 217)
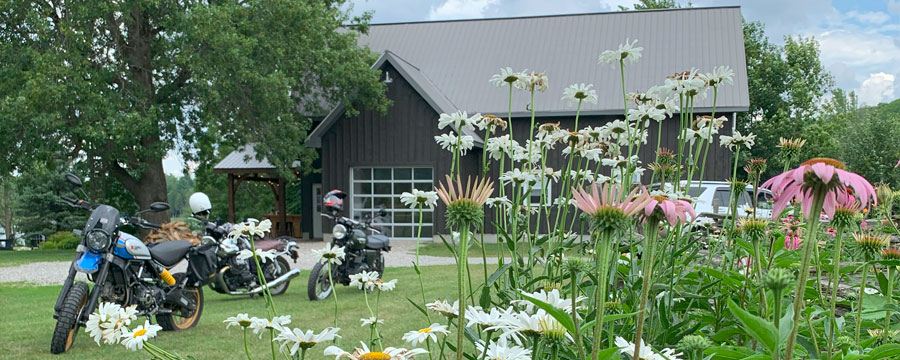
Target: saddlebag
point(202, 263)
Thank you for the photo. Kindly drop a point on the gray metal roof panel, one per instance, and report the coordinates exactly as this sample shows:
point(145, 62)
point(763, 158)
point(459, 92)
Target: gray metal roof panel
point(458, 57)
point(243, 157)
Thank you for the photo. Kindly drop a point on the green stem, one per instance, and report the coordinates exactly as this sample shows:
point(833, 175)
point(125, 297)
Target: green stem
point(835, 280)
point(709, 136)
point(573, 284)
point(800, 291)
point(272, 342)
point(601, 258)
point(246, 349)
point(302, 353)
point(461, 265)
point(889, 299)
point(862, 292)
point(777, 316)
point(418, 269)
point(333, 293)
point(651, 231)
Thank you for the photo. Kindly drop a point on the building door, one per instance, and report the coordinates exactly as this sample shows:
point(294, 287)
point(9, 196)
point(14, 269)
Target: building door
point(374, 188)
point(317, 211)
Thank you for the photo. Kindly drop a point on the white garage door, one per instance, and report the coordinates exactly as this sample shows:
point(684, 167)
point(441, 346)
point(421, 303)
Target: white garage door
point(372, 188)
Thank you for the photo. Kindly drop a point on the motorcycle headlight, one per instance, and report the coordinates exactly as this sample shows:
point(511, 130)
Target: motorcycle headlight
point(339, 231)
point(97, 240)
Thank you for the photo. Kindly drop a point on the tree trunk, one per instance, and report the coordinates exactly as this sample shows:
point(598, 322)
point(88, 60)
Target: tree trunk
point(152, 188)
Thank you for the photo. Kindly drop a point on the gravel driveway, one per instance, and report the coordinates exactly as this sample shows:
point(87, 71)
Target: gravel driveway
point(53, 273)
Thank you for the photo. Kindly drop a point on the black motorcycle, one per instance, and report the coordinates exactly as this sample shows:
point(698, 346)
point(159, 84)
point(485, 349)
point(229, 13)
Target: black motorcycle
point(126, 271)
point(236, 276)
point(363, 246)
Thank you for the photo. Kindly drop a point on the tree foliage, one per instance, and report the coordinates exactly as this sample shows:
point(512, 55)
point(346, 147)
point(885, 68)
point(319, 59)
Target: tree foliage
point(118, 83)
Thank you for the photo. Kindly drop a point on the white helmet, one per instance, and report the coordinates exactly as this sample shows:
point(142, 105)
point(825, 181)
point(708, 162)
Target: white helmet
point(199, 203)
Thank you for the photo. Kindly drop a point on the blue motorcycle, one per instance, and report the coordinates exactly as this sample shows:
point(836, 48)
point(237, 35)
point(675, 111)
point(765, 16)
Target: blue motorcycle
point(126, 271)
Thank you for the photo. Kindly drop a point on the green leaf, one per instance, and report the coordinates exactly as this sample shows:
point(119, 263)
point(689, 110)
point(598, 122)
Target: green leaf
point(498, 273)
point(557, 314)
point(608, 354)
point(728, 352)
point(886, 351)
point(758, 328)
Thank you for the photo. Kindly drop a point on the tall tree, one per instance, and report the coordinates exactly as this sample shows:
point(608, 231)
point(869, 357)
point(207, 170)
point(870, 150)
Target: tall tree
point(119, 83)
point(787, 87)
point(8, 204)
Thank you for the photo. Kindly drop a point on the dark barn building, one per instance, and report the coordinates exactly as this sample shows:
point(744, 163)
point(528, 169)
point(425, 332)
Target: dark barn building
point(444, 67)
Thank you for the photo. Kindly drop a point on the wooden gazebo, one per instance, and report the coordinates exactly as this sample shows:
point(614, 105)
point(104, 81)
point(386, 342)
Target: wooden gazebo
point(241, 165)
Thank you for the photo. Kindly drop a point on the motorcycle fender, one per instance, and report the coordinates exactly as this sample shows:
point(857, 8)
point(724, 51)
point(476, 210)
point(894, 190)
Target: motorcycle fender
point(88, 262)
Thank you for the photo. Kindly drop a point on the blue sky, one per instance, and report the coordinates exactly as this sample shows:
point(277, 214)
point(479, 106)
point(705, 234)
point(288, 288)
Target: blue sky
point(859, 39)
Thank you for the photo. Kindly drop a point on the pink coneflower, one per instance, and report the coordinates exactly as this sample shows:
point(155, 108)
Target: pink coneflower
point(831, 232)
point(609, 206)
point(672, 210)
point(818, 175)
point(792, 242)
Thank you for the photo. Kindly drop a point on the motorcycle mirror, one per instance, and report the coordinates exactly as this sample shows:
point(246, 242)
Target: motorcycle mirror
point(73, 179)
point(159, 206)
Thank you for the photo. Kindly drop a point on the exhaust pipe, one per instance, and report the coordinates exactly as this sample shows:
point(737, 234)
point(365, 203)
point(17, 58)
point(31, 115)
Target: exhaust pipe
point(287, 276)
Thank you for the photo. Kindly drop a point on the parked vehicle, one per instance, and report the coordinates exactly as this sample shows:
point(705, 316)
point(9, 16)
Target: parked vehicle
point(126, 271)
point(363, 244)
point(234, 276)
point(712, 199)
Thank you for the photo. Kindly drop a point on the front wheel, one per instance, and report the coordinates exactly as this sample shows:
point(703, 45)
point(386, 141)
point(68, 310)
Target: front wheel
point(67, 324)
point(276, 269)
point(183, 318)
point(319, 287)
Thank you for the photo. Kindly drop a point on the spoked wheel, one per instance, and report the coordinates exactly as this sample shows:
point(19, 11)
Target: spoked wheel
point(275, 269)
point(319, 287)
point(182, 318)
point(67, 324)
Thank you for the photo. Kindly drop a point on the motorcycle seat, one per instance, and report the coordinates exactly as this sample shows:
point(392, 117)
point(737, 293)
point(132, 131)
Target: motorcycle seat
point(169, 253)
point(266, 245)
point(377, 242)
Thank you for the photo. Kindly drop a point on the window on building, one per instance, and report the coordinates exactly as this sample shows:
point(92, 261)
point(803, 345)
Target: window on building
point(374, 188)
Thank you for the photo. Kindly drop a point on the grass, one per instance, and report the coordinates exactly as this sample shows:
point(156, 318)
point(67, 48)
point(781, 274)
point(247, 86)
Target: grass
point(491, 250)
point(14, 258)
point(28, 326)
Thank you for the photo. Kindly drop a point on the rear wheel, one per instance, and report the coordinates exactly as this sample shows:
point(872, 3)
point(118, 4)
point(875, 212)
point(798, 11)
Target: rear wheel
point(276, 269)
point(182, 318)
point(67, 324)
point(319, 287)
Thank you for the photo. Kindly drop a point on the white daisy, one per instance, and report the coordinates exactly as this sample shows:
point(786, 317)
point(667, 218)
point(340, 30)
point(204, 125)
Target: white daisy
point(532, 81)
point(501, 350)
point(498, 201)
point(109, 322)
point(369, 321)
point(364, 279)
point(719, 75)
point(626, 52)
point(737, 140)
point(517, 176)
point(416, 337)
point(553, 298)
point(251, 227)
point(644, 352)
point(645, 113)
point(363, 353)
point(483, 319)
point(242, 320)
point(580, 92)
point(444, 308)
point(330, 254)
point(298, 339)
point(134, 340)
point(500, 145)
point(418, 197)
point(263, 255)
point(458, 120)
point(385, 285)
point(506, 76)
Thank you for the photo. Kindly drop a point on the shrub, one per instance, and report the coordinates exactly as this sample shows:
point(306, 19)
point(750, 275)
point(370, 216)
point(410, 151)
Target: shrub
point(63, 240)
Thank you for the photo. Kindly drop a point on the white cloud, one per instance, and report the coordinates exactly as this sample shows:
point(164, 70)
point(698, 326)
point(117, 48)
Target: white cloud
point(858, 47)
point(872, 17)
point(460, 9)
point(877, 88)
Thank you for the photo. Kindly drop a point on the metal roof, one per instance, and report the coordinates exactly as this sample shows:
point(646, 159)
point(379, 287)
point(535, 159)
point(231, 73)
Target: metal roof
point(418, 80)
point(243, 160)
point(458, 57)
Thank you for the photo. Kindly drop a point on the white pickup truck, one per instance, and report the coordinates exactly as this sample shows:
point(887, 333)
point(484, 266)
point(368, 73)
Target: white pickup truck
point(712, 198)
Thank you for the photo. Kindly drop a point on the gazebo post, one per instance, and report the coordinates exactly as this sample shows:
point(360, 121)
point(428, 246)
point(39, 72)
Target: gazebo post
point(282, 206)
point(231, 190)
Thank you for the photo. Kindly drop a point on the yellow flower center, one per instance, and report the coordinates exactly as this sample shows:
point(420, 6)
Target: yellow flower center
point(140, 332)
point(826, 161)
point(425, 330)
point(375, 355)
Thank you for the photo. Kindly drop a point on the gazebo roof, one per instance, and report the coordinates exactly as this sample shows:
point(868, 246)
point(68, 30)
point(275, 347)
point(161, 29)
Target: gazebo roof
point(243, 160)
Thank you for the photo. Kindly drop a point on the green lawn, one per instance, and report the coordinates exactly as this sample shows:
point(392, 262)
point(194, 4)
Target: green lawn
point(491, 250)
point(27, 321)
point(13, 258)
